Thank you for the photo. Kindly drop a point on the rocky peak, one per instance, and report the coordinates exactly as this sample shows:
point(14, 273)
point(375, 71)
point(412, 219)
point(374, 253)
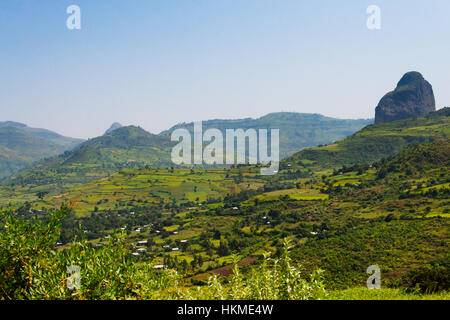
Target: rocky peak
point(412, 97)
point(113, 127)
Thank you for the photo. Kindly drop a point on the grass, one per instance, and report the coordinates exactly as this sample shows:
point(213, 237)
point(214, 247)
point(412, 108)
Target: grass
point(362, 293)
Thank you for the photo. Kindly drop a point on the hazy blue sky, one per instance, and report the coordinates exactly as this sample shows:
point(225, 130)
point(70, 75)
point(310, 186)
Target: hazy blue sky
point(157, 63)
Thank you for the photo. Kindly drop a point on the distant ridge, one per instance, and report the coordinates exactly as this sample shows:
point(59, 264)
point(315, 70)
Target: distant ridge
point(132, 146)
point(21, 145)
point(124, 147)
point(297, 130)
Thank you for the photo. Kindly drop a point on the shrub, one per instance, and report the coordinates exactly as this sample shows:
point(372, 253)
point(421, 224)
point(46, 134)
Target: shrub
point(272, 280)
point(428, 279)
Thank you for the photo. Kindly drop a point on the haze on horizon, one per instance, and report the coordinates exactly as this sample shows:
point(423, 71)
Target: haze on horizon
point(156, 63)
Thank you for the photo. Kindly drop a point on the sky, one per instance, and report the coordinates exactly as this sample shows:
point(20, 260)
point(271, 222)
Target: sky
point(156, 63)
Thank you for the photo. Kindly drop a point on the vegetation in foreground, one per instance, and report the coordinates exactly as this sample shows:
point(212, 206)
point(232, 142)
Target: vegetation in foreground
point(30, 268)
point(40, 272)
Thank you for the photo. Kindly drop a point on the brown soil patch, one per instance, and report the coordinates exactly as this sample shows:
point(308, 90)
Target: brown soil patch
point(227, 270)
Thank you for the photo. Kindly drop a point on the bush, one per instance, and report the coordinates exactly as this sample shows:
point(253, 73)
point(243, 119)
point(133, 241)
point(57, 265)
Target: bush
point(30, 268)
point(23, 246)
point(428, 279)
point(272, 280)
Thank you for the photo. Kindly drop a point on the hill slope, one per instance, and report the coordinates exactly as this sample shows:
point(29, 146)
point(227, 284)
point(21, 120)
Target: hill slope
point(297, 130)
point(21, 145)
point(375, 142)
point(401, 211)
point(124, 147)
point(66, 143)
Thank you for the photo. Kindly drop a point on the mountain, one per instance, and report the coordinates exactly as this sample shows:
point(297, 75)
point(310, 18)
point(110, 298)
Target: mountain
point(21, 145)
point(412, 97)
point(96, 158)
point(131, 146)
point(297, 130)
point(113, 127)
point(374, 142)
point(65, 142)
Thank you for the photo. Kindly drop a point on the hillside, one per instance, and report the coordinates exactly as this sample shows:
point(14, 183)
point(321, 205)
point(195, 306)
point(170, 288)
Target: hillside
point(21, 145)
point(96, 158)
point(297, 130)
point(66, 143)
point(401, 210)
point(125, 147)
point(374, 142)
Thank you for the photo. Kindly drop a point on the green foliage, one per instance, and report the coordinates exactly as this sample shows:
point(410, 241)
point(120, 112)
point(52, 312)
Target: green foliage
point(428, 279)
point(23, 247)
point(274, 279)
point(362, 293)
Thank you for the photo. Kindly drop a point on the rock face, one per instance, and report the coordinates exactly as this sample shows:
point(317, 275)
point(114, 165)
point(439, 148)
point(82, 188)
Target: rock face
point(413, 97)
point(113, 127)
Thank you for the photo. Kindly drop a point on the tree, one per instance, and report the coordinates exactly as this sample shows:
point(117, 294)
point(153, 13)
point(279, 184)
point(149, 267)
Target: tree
point(274, 213)
point(41, 194)
point(223, 249)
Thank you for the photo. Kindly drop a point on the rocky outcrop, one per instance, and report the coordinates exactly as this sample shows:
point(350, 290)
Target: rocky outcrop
point(113, 127)
point(412, 97)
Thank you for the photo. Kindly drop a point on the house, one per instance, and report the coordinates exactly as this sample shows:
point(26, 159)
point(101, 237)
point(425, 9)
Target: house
point(135, 254)
point(159, 266)
point(183, 241)
point(175, 249)
point(141, 249)
point(314, 233)
point(142, 242)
